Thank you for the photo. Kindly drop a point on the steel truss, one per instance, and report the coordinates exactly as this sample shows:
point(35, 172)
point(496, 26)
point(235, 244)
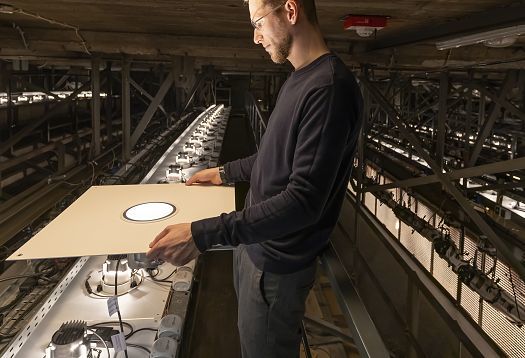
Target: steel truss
point(449, 121)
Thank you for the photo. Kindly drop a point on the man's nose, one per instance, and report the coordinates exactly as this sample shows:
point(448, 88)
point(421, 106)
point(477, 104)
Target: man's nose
point(257, 37)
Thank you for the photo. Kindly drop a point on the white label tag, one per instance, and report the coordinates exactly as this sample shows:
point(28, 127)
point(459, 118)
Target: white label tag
point(119, 342)
point(112, 305)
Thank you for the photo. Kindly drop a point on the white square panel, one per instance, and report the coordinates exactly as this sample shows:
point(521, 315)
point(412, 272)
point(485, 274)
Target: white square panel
point(94, 224)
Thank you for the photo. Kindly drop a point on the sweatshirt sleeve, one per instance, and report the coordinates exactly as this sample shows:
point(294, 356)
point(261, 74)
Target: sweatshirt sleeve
point(325, 136)
point(240, 169)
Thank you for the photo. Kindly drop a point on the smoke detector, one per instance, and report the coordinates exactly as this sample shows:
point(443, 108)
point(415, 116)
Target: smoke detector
point(365, 25)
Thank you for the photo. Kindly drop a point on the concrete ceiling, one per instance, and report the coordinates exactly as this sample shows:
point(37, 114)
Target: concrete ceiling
point(219, 32)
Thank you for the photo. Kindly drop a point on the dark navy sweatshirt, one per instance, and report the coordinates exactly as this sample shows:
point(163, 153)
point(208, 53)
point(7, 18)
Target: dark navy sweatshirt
point(299, 175)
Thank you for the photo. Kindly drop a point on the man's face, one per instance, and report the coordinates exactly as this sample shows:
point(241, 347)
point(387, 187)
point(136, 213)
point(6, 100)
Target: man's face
point(270, 31)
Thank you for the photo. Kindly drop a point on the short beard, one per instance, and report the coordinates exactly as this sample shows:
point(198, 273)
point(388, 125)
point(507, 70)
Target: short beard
point(282, 49)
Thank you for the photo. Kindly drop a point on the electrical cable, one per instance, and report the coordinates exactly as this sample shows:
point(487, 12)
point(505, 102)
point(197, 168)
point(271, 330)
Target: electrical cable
point(139, 330)
point(13, 322)
point(165, 279)
point(102, 340)
point(514, 293)
point(15, 277)
point(140, 347)
point(72, 184)
point(38, 276)
point(113, 323)
point(93, 175)
point(118, 308)
point(13, 303)
point(52, 21)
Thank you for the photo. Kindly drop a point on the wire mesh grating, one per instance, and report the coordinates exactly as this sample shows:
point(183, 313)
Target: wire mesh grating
point(509, 337)
point(506, 335)
point(470, 302)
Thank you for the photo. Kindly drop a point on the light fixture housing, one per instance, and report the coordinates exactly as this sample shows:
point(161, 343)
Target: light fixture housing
point(488, 37)
point(7, 9)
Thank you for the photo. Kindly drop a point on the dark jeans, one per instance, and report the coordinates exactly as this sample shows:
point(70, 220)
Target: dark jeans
point(271, 307)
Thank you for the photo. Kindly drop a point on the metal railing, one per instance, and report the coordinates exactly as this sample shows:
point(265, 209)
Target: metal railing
point(257, 119)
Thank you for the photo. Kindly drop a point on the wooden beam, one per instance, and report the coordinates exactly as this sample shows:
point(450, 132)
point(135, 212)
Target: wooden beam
point(133, 43)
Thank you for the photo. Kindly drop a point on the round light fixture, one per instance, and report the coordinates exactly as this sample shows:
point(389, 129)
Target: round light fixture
point(147, 212)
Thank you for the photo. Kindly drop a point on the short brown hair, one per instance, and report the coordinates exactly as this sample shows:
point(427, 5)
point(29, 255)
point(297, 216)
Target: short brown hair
point(307, 5)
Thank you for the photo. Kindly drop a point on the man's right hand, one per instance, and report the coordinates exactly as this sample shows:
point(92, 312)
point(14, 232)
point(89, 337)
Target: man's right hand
point(206, 176)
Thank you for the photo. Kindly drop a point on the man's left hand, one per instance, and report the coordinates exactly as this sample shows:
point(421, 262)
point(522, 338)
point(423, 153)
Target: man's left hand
point(174, 244)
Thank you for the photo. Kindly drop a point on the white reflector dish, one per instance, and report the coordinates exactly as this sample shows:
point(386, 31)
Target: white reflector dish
point(147, 212)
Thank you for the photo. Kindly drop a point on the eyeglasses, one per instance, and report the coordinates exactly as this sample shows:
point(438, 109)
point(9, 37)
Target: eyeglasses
point(257, 23)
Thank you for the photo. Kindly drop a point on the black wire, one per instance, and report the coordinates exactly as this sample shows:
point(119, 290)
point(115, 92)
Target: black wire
point(13, 303)
point(515, 296)
point(165, 279)
point(38, 266)
point(112, 323)
point(38, 276)
point(139, 347)
point(118, 308)
point(141, 329)
point(21, 316)
point(15, 277)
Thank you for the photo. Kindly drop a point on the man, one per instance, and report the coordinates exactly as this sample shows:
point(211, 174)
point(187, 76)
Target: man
point(298, 179)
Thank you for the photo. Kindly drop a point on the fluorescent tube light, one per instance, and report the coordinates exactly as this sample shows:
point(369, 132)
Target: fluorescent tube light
point(487, 36)
point(7, 9)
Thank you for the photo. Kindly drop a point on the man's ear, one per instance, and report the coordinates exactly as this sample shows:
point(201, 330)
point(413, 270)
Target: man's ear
point(292, 11)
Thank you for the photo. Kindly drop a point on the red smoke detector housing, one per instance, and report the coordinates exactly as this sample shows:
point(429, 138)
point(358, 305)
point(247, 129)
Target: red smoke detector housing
point(365, 25)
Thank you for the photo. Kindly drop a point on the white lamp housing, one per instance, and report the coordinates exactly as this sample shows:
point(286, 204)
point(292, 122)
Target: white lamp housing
point(488, 37)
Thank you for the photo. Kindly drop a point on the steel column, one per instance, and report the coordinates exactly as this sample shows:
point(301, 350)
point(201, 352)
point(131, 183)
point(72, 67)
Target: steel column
point(108, 103)
point(95, 106)
point(468, 124)
point(481, 112)
point(442, 117)
point(413, 304)
point(126, 112)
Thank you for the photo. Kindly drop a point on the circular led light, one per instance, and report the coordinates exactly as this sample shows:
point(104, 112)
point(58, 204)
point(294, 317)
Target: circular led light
point(146, 212)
